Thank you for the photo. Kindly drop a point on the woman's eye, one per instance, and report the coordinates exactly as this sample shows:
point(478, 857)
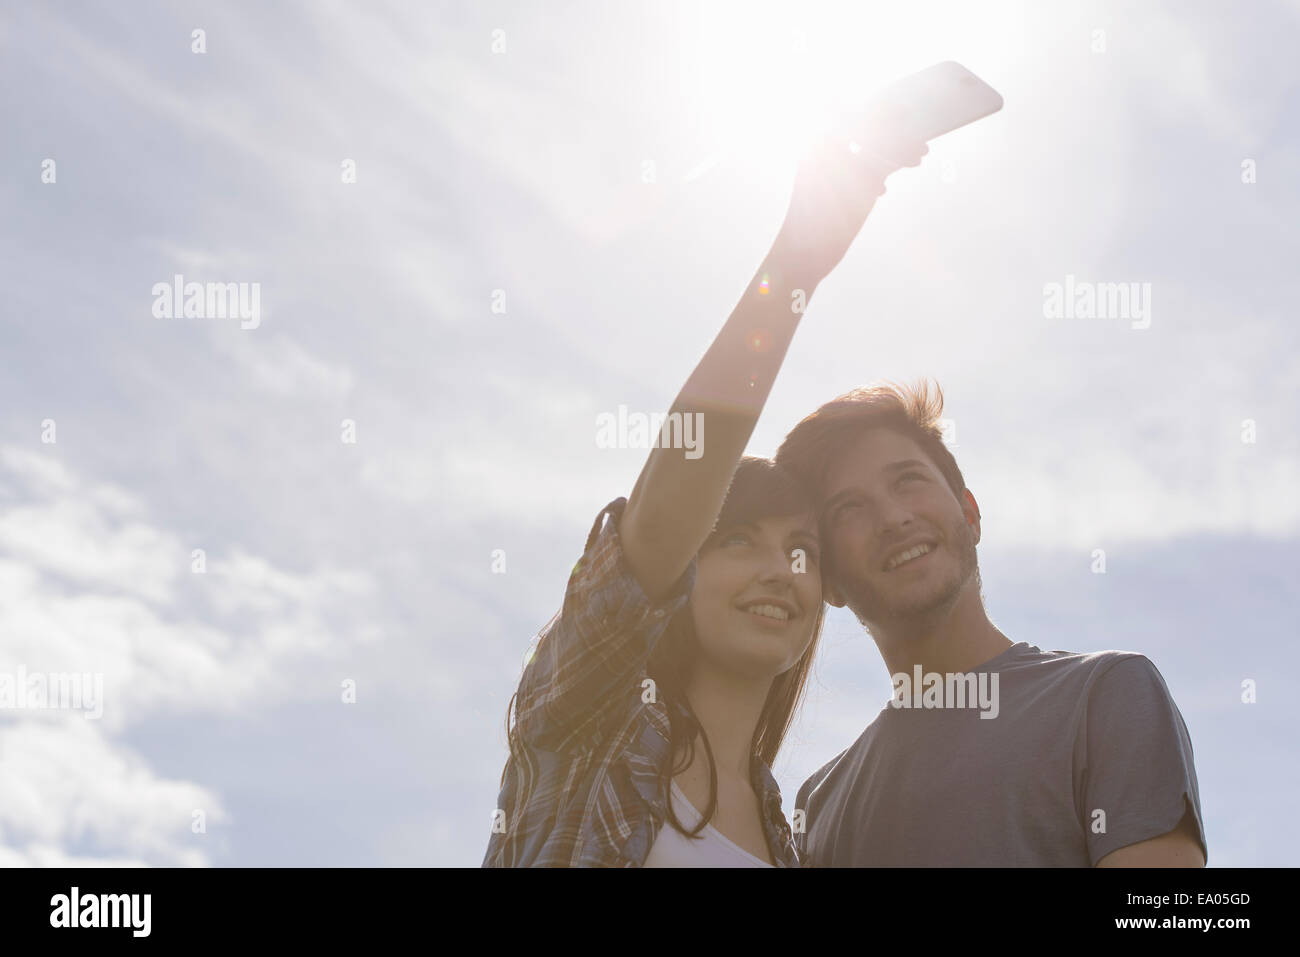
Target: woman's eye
point(912, 475)
point(808, 552)
point(736, 537)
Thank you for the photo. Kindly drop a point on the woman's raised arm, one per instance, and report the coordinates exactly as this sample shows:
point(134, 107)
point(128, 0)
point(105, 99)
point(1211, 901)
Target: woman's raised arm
point(679, 493)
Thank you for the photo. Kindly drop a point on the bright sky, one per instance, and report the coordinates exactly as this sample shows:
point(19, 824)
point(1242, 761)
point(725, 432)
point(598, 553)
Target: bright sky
point(612, 173)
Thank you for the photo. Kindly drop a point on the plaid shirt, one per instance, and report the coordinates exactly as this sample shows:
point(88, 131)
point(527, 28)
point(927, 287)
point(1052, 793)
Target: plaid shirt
point(589, 789)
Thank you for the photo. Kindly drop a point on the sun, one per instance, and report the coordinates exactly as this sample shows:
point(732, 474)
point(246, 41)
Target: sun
point(768, 77)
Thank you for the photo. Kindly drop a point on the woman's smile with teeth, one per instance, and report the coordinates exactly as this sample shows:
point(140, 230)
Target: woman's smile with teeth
point(768, 611)
point(907, 556)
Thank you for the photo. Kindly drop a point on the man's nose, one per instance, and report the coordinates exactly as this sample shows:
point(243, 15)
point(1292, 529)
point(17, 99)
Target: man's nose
point(894, 519)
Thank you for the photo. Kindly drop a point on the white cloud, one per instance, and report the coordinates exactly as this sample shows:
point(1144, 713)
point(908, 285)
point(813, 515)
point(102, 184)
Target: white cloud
point(85, 591)
point(279, 365)
point(120, 619)
point(68, 783)
point(82, 531)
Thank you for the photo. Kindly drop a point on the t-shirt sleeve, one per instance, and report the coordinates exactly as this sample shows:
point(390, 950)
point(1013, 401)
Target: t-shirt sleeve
point(1136, 765)
point(803, 819)
point(799, 822)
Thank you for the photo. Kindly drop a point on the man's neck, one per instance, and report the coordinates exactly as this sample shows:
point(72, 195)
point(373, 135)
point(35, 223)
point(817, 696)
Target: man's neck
point(949, 641)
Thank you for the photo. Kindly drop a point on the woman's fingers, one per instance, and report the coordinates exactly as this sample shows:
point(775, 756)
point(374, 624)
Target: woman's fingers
point(895, 150)
point(887, 129)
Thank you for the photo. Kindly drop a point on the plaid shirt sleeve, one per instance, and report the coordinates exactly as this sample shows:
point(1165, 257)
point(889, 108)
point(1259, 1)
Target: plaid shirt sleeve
point(591, 656)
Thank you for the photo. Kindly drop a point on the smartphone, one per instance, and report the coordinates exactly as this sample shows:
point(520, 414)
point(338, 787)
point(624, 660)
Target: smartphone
point(937, 100)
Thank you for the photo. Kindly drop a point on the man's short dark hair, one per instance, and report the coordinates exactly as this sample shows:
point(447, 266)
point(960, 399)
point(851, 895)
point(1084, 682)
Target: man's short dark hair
point(814, 445)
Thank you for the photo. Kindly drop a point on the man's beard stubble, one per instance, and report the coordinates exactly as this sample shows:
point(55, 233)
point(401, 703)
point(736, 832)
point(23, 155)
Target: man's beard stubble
point(872, 605)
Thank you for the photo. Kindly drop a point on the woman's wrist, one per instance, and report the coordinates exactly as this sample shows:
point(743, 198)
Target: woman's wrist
point(786, 271)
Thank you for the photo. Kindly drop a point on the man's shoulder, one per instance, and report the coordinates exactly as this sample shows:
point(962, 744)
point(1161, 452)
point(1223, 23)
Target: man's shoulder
point(1087, 664)
point(818, 777)
point(1080, 681)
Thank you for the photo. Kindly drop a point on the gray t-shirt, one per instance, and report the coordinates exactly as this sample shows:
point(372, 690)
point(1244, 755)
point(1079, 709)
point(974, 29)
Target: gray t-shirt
point(1087, 753)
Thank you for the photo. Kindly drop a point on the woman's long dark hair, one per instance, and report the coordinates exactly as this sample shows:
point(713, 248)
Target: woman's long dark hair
point(759, 489)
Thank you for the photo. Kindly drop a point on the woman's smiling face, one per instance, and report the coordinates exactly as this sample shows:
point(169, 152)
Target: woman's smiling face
point(757, 595)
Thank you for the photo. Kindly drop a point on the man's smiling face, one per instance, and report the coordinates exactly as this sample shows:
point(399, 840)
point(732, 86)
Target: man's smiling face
point(899, 544)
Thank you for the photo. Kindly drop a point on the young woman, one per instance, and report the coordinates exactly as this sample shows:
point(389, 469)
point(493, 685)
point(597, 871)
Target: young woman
point(647, 720)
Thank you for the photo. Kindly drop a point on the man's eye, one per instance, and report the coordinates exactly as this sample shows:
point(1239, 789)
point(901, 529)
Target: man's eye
point(844, 509)
point(736, 537)
point(915, 475)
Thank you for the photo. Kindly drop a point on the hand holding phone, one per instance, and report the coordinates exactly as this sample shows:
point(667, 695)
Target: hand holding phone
point(937, 100)
point(841, 177)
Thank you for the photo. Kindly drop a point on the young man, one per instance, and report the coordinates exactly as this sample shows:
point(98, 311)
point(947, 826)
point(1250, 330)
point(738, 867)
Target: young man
point(1041, 758)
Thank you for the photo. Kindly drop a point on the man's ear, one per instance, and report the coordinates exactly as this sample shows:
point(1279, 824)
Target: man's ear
point(971, 509)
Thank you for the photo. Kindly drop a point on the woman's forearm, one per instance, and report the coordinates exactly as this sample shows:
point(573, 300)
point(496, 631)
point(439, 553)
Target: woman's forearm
point(677, 497)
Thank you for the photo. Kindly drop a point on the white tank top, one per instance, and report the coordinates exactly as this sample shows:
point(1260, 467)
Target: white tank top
point(672, 848)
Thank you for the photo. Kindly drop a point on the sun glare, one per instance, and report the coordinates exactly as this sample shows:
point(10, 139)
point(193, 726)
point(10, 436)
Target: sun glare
point(771, 76)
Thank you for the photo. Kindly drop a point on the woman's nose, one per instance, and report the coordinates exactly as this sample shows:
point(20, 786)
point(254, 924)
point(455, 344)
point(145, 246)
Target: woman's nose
point(777, 566)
